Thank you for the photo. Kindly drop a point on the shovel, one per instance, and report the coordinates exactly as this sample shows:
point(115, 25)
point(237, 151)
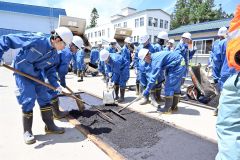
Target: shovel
point(78, 100)
point(135, 100)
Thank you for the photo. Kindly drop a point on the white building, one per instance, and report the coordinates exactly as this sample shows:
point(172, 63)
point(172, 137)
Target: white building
point(18, 18)
point(151, 21)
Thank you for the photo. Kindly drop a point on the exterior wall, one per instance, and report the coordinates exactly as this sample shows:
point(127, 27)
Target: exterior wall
point(130, 20)
point(204, 50)
point(27, 22)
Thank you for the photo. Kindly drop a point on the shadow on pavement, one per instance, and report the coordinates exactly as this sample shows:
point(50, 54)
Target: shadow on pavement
point(71, 135)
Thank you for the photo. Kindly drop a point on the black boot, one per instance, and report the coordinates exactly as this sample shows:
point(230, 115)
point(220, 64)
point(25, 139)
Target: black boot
point(57, 114)
point(75, 71)
point(27, 128)
point(122, 92)
point(215, 112)
point(166, 109)
point(137, 89)
point(176, 99)
point(158, 96)
point(81, 76)
point(153, 99)
point(47, 117)
point(78, 73)
point(116, 89)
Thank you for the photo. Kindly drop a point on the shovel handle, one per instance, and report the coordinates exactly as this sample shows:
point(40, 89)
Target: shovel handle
point(38, 81)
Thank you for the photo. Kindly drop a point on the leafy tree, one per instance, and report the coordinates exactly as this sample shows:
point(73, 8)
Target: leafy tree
point(94, 16)
point(195, 11)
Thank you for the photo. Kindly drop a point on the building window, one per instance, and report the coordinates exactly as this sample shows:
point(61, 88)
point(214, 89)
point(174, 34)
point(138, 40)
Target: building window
point(108, 30)
point(155, 22)
point(161, 23)
point(155, 39)
point(103, 32)
point(125, 24)
point(95, 34)
point(166, 24)
point(134, 38)
point(119, 25)
point(91, 35)
point(203, 46)
point(150, 37)
point(115, 26)
point(99, 33)
point(150, 19)
point(88, 35)
point(136, 23)
point(137, 38)
point(141, 21)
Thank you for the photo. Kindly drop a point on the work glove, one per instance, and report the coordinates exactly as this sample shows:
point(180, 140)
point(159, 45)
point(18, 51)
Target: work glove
point(59, 90)
point(145, 93)
point(1, 62)
point(195, 48)
point(110, 74)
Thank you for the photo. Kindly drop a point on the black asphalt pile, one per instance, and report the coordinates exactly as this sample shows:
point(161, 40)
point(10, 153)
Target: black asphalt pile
point(140, 137)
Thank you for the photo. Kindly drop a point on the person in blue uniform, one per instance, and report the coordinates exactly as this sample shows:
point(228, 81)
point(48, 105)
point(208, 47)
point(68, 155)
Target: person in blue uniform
point(75, 48)
point(144, 43)
point(62, 62)
point(221, 70)
point(37, 54)
point(174, 65)
point(116, 69)
point(182, 46)
point(160, 45)
point(170, 45)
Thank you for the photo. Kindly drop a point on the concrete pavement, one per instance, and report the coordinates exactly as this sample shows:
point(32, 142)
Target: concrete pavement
point(70, 145)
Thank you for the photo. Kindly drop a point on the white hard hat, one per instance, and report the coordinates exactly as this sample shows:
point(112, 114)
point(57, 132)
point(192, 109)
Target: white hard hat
point(112, 40)
point(128, 40)
point(163, 35)
point(222, 32)
point(77, 41)
point(171, 41)
point(187, 35)
point(104, 54)
point(143, 38)
point(99, 42)
point(65, 34)
point(142, 53)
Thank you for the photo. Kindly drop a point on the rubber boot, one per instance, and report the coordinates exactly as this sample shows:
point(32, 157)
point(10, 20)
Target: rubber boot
point(27, 128)
point(153, 99)
point(116, 89)
point(78, 73)
point(47, 117)
point(144, 101)
point(158, 96)
point(176, 99)
point(75, 71)
point(122, 92)
point(166, 109)
point(137, 89)
point(215, 112)
point(57, 114)
point(81, 76)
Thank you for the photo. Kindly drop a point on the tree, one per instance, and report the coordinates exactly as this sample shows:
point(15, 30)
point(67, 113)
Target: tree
point(180, 15)
point(195, 11)
point(94, 16)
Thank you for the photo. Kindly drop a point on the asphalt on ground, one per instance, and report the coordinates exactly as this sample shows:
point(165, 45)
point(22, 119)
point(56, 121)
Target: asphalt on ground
point(140, 137)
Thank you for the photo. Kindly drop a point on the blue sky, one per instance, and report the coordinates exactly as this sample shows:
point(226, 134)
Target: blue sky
point(106, 8)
